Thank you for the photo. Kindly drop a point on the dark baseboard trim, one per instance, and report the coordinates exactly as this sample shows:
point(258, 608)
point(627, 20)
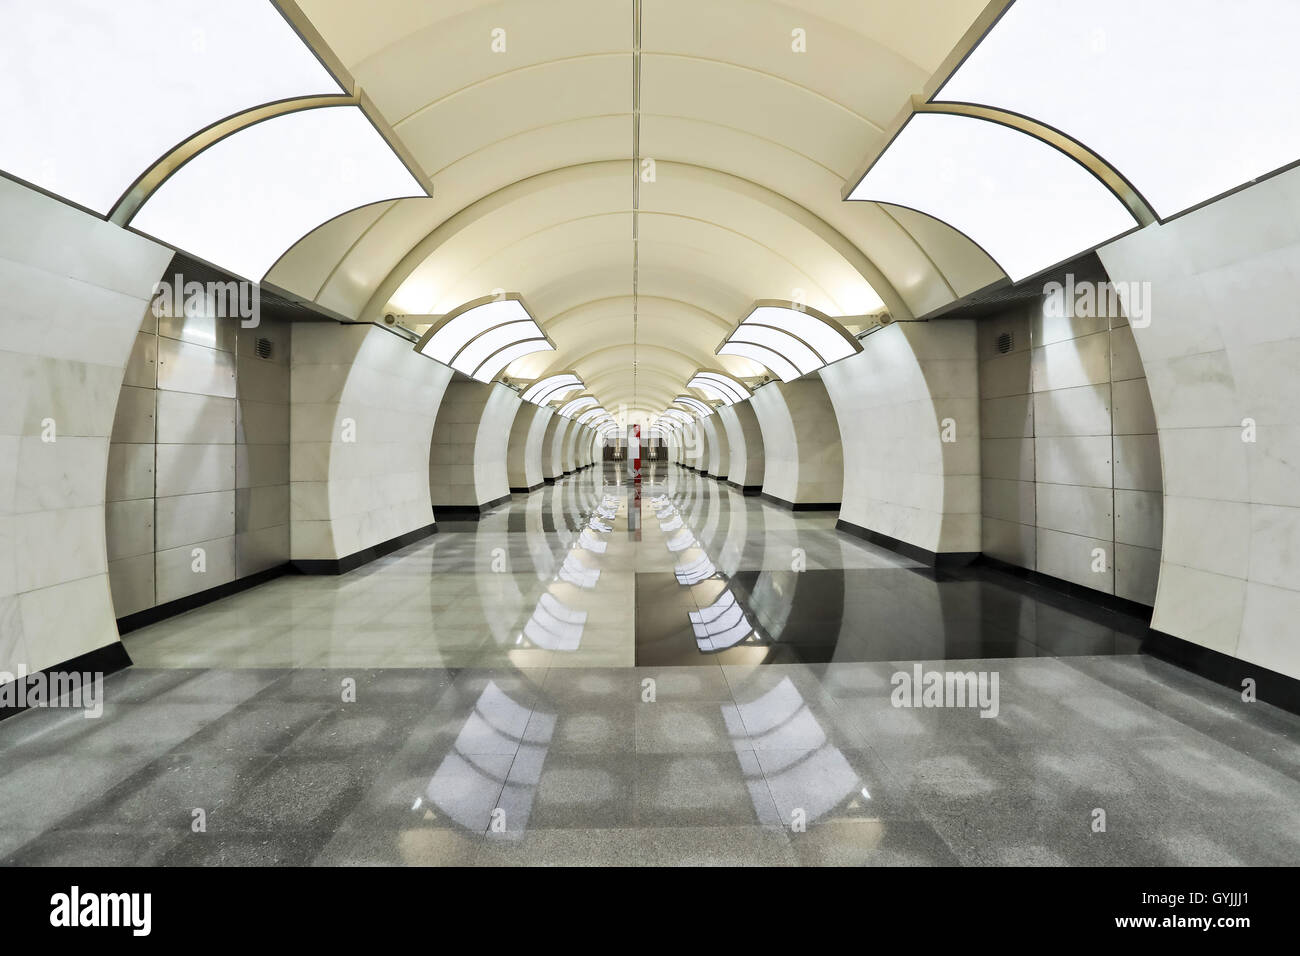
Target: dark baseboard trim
point(364, 556)
point(1270, 686)
point(467, 512)
point(802, 505)
point(931, 559)
point(102, 660)
point(548, 481)
point(750, 490)
point(160, 612)
point(525, 491)
point(1109, 601)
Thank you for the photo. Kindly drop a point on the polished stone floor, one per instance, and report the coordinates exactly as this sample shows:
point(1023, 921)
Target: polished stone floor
point(594, 674)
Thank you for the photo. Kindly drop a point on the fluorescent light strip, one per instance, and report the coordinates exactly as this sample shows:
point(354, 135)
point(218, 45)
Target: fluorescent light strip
point(726, 389)
point(1027, 204)
point(712, 390)
point(496, 363)
point(697, 406)
point(96, 93)
point(829, 343)
point(473, 353)
point(1187, 99)
point(450, 336)
point(576, 405)
point(781, 342)
point(243, 201)
point(763, 356)
point(552, 386)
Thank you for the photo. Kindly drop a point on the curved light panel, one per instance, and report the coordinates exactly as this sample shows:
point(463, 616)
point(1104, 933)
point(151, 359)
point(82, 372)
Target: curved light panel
point(1027, 204)
point(552, 387)
point(247, 198)
point(96, 93)
point(719, 386)
point(677, 415)
point(1187, 99)
point(571, 408)
point(790, 340)
point(694, 404)
point(763, 356)
point(482, 337)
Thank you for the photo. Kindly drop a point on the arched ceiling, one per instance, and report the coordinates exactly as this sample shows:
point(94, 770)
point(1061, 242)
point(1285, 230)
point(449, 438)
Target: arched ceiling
point(530, 152)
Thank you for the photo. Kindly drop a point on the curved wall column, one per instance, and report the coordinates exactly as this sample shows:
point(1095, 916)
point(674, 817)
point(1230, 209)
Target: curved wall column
point(1219, 337)
point(75, 290)
point(362, 412)
point(553, 447)
point(572, 438)
point(744, 438)
point(715, 465)
point(467, 454)
point(524, 449)
point(690, 445)
point(804, 465)
point(909, 415)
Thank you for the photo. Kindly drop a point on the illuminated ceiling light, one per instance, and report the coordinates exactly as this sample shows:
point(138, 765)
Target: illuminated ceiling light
point(789, 339)
point(695, 405)
point(593, 415)
point(96, 93)
point(482, 337)
point(1028, 205)
point(552, 387)
point(1188, 99)
point(572, 407)
point(763, 356)
point(243, 201)
point(677, 415)
point(719, 385)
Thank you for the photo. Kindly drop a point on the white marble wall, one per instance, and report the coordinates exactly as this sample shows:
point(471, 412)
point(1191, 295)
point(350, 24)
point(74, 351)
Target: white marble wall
point(199, 459)
point(569, 455)
point(719, 454)
point(1223, 346)
point(804, 463)
point(73, 290)
point(912, 385)
point(744, 438)
point(1071, 461)
point(557, 428)
point(363, 405)
point(524, 452)
point(467, 456)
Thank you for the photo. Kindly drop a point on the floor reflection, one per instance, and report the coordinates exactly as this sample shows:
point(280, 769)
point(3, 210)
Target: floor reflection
point(665, 672)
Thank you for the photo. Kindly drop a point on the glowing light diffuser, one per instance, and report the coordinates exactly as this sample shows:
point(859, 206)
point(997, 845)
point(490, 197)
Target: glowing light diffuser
point(1027, 204)
point(247, 198)
point(790, 340)
point(1187, 99)
point(552, 387)
point(719, 385)
point(482, 337)
point(695, 405)
point(96, 93)
point(571, 408)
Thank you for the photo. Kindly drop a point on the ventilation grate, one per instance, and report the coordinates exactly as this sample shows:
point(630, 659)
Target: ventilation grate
point(263, 348)
point(1006, 342)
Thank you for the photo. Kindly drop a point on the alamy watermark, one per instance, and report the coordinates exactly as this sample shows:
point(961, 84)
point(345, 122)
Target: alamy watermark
point(1093, 300)
point(71, 689)
point(922, 688)
point(232, 299)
